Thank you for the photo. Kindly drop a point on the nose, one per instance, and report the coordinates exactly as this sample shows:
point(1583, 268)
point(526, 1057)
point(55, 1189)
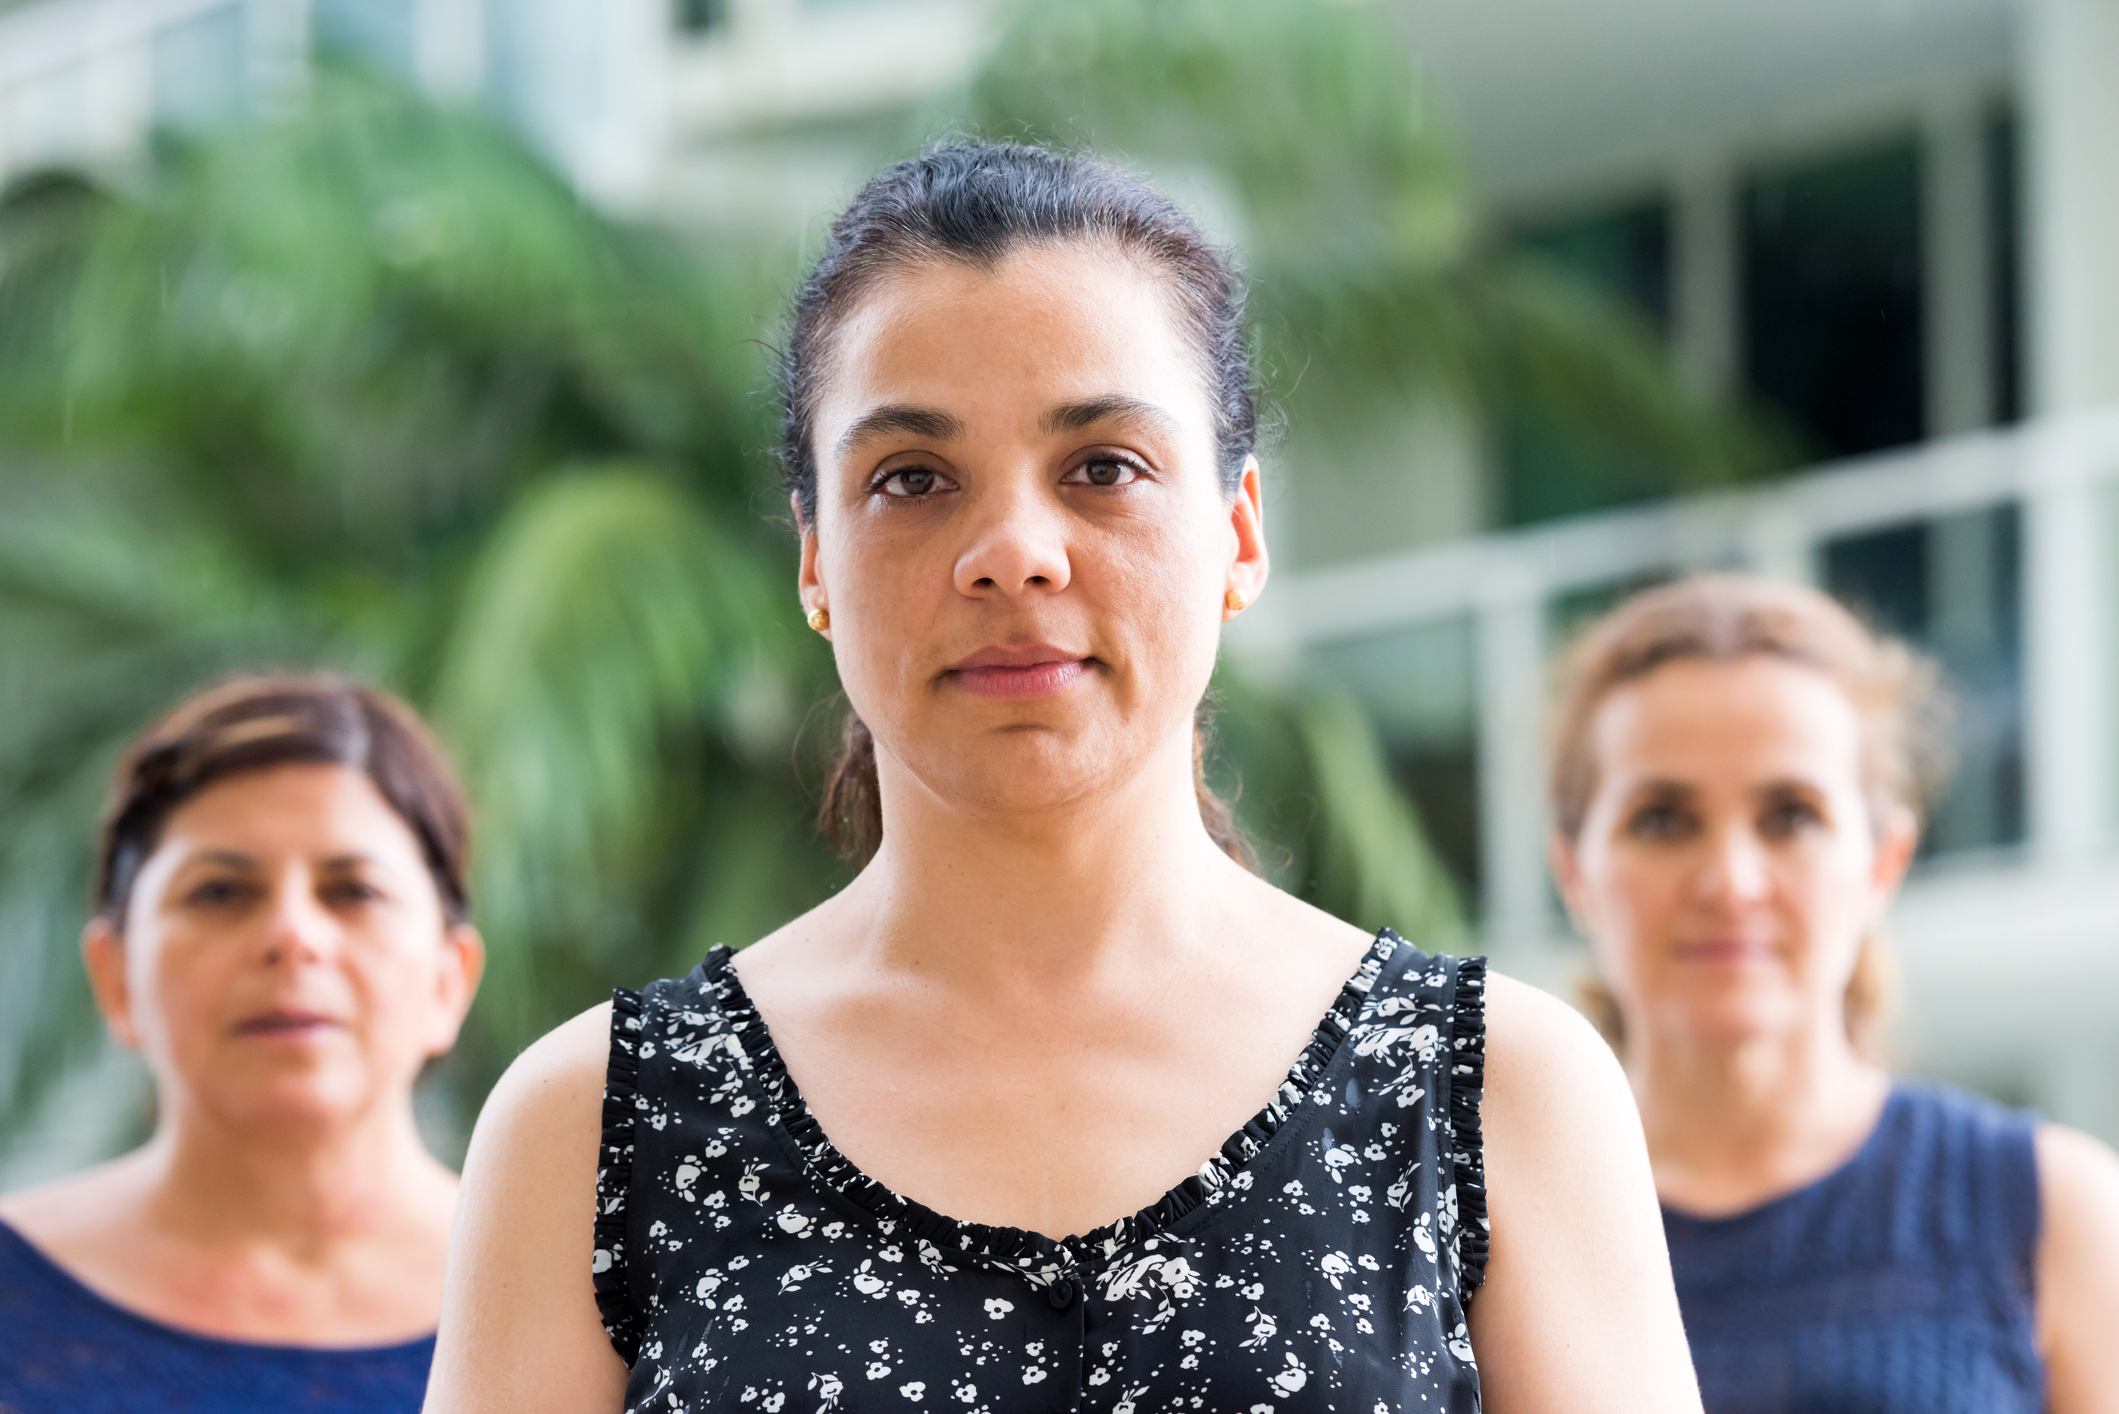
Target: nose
point(298, 930)
point(1018, 541)
point(1736, 869)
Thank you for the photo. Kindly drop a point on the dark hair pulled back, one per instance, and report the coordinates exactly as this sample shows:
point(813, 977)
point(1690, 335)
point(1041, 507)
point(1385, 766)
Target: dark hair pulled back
point(976, 203)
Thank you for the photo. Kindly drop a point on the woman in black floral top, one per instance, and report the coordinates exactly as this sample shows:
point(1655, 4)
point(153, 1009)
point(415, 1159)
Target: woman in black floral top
point(1056, 1106)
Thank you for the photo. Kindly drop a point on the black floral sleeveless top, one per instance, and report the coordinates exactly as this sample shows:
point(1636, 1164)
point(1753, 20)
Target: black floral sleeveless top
point(1321, 1260)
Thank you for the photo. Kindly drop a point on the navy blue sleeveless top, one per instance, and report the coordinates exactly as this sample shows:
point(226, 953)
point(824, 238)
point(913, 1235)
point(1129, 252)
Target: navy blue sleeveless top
point(1901, 1283)
point(65, 1350)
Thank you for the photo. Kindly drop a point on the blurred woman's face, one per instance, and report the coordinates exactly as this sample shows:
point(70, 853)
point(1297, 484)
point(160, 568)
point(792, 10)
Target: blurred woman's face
point(285, 958)
point(1729, 862)
point(1021, 534)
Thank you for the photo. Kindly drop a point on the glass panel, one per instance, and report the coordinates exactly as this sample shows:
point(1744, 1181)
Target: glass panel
point(1625, 253)
point(1420, 686)
point(381, 32)
point(2005, 256)
point(1953, 587)
point(1550, 470)
point(1832, 299)
point(699, 16)
point(198, 70)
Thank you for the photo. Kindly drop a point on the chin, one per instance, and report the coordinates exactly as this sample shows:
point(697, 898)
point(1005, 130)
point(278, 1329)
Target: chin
point(312, 1101)
point(1734, 1020)
point(1018, 772)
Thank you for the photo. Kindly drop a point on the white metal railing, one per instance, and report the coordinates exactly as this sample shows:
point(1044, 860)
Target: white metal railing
point(2057, 471)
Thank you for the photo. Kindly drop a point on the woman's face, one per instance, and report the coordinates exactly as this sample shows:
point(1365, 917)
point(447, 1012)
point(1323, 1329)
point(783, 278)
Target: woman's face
point(1729, 862)
point(285, 958)
point(1021, 534)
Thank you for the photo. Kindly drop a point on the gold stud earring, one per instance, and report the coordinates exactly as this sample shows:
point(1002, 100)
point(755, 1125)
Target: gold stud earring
point(820, 619)
point(1235, 602)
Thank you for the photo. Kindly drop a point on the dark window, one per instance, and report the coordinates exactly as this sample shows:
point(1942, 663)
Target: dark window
point(2005, 257)
point(1832, 299)
point(699, 16)
point(1554, 467)
point(1953, 587)
point(1625, 253)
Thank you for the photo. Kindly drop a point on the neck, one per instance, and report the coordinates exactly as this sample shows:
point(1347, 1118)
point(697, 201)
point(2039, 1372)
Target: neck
point(1030, 898)
point(306, 1188)
point(1733, 1121)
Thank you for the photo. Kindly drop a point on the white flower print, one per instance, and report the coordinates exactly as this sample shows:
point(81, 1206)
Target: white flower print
point(1263, 1328)
point(1284, 1282)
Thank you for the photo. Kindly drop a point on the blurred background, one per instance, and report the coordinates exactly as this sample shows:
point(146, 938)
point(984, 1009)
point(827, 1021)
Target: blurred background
point(431, 340)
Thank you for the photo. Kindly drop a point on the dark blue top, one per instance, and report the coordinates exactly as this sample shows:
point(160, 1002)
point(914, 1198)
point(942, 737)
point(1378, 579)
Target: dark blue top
point(1901, 1283)
point(65, 1350)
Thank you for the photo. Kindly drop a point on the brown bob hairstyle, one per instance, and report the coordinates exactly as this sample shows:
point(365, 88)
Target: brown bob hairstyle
point(255, 723)
point(1722, 618)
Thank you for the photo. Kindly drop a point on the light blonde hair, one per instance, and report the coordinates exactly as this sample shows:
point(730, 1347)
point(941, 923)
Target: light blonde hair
point(1722, 618)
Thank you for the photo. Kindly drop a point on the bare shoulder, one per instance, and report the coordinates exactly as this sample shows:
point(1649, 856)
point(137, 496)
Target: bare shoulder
point(81, 1209)
point(1546, 1065)
point(2078, 1270)
point(520, 1330)
point(556, 1082)
point(1578, 1311)
point(2076, 1168)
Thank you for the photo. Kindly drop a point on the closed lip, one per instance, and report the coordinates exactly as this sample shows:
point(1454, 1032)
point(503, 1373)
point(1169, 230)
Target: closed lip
point(285, 1021)
point(1028, 670)
point(1725, 950)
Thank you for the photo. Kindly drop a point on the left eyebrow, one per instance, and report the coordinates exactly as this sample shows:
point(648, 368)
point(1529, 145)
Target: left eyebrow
point(1112, 407)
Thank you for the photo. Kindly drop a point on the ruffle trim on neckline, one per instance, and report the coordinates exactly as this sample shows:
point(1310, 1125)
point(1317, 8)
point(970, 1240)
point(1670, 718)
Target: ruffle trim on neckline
point(614, 1175)
point(1038, 1259)
point(1467, 1083)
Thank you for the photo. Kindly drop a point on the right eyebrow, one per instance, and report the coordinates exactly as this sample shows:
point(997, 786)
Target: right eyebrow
point(931, 423)
point(227, 858)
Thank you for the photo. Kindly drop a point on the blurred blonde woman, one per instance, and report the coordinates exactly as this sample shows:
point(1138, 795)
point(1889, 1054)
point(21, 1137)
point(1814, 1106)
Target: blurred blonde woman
point(1737, 795)
point(281, 930)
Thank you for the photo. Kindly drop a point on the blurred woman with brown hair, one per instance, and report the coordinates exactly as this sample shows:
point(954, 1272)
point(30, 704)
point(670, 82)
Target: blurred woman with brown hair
point(281, 930)
point(1737, 785)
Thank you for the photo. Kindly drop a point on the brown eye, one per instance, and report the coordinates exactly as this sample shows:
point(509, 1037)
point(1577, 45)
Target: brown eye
point(1789, 818)
point(912, 481)
point(1104, 471)
point(1662, 823)
point(218, 893)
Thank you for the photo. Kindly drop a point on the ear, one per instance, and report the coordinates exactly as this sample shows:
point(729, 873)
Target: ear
point(463, 963)
point(1897, 837)
point(1250, 564)
point(809, 582)
point(1566, 865)
point(103, 954)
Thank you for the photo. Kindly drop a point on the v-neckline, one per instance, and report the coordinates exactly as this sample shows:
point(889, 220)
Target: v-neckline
point(1033, 1255)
